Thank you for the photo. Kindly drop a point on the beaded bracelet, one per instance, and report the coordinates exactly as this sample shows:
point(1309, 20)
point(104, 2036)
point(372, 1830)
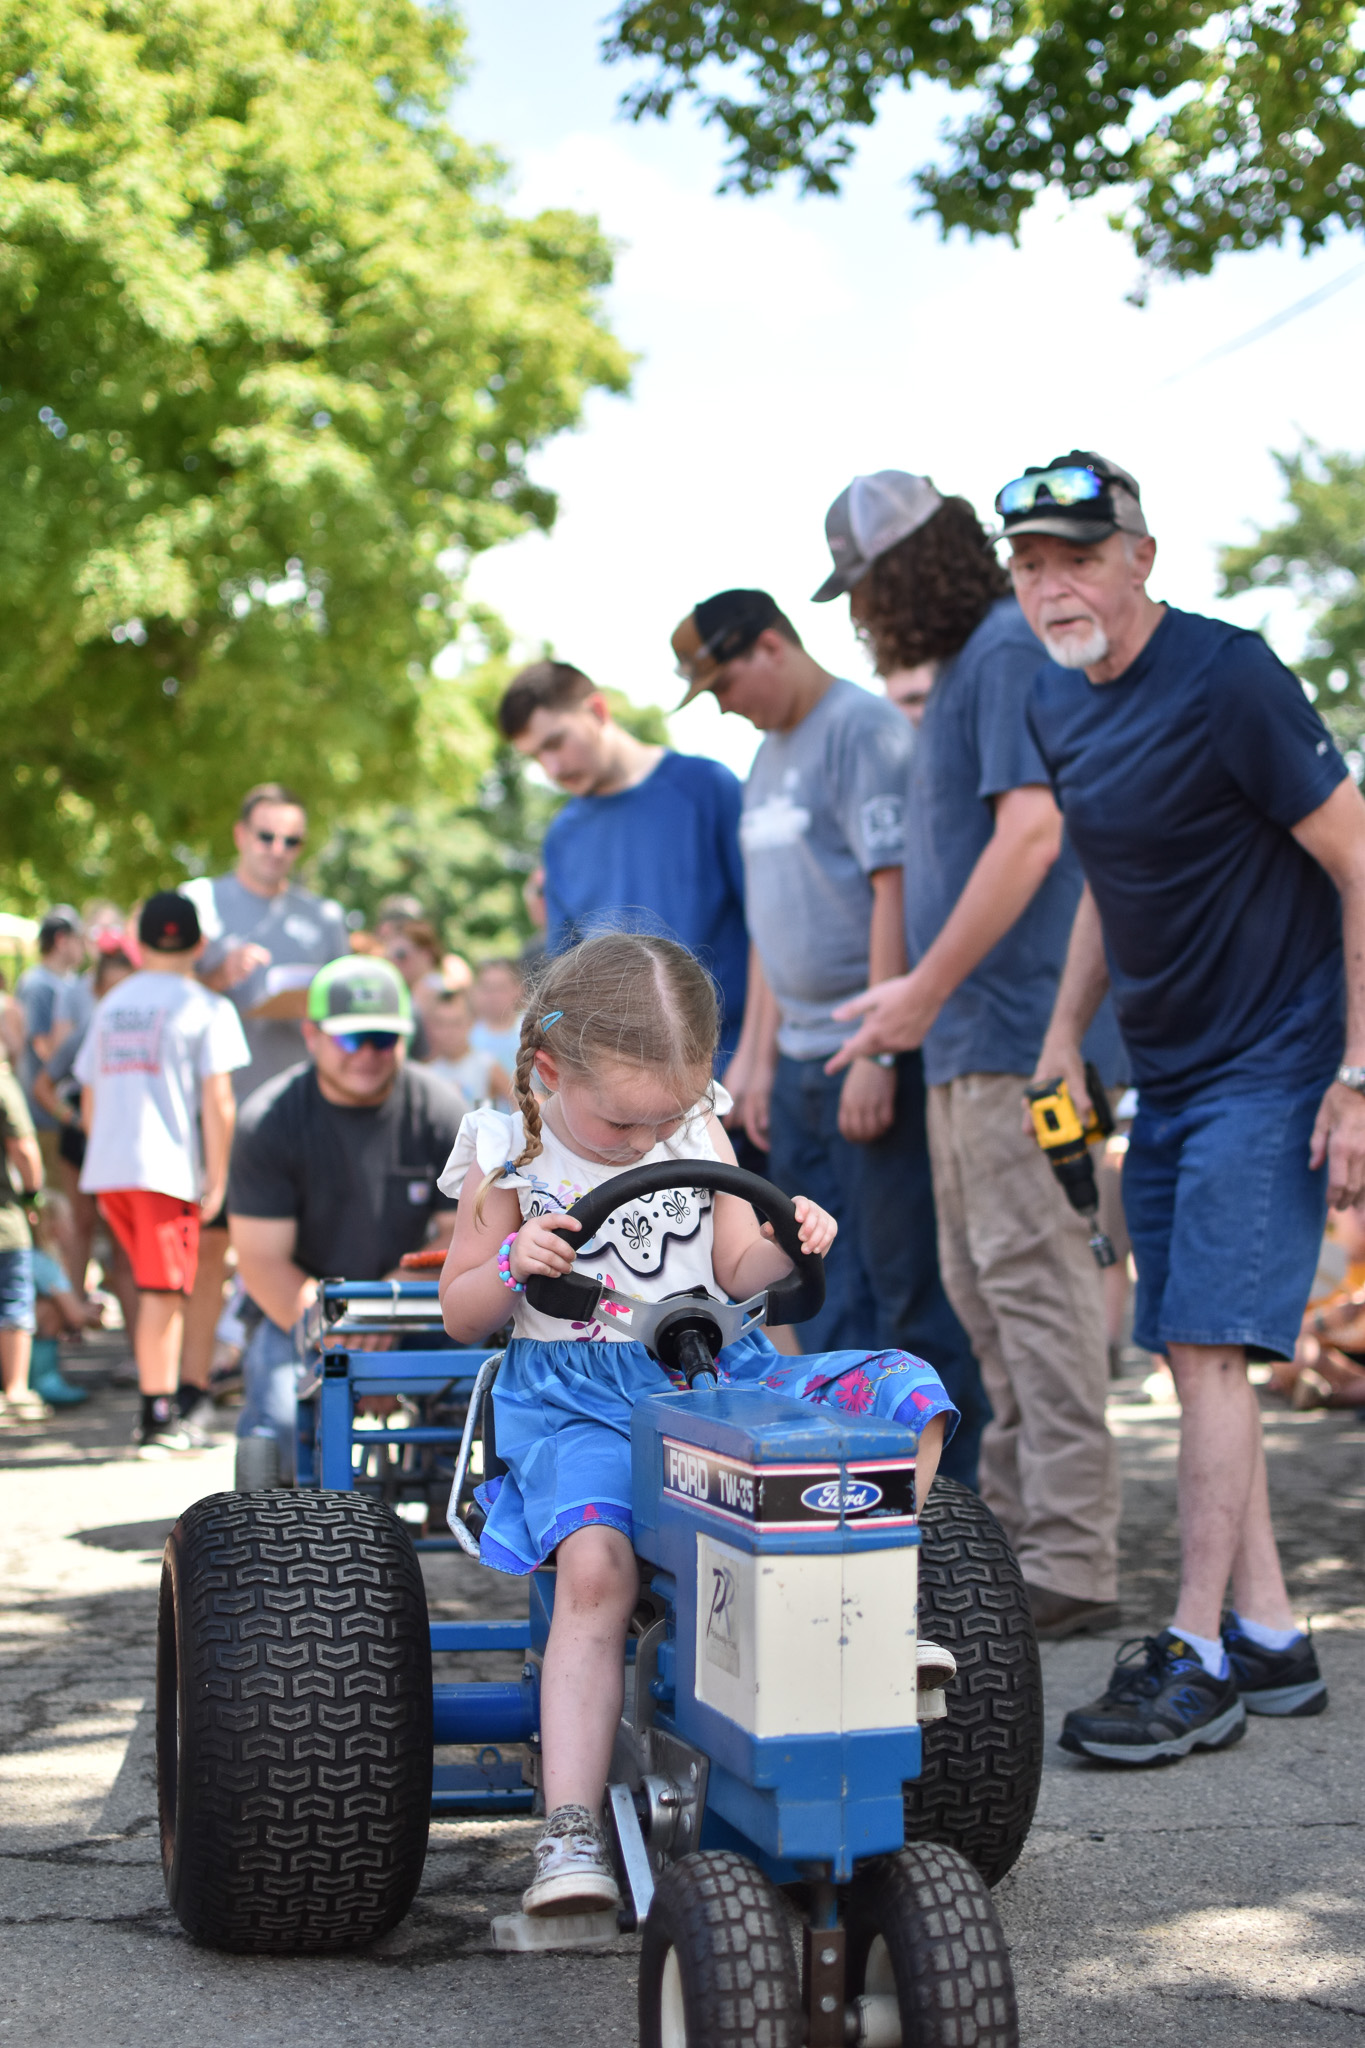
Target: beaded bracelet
point(505, 1273)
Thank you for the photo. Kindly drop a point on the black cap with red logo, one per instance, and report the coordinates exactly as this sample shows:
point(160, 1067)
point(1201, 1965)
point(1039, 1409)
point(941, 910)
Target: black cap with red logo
point(169, 923)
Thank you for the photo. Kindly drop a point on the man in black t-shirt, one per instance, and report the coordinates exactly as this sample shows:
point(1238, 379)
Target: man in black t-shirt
point(334, 1170)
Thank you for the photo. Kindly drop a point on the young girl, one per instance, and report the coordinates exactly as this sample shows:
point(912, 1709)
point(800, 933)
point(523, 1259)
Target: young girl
point(621, 1035)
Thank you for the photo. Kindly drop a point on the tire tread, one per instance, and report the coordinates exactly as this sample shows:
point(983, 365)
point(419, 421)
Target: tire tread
point(952, 1966)
point(301, 1640)
point(727, 1923)
point(983, 1764)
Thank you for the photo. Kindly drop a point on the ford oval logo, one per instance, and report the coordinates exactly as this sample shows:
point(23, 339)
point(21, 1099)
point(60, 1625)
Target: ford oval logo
point(854, 1497)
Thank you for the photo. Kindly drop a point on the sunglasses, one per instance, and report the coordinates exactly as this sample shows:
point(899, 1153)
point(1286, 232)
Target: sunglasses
point(1064, 486)
point(289, 839)
point(357, 1041)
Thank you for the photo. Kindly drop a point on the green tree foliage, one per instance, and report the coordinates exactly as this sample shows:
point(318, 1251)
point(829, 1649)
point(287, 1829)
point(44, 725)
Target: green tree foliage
point(1225, 127)
point(467, 863)
point(272, 361)
point(1318, 553)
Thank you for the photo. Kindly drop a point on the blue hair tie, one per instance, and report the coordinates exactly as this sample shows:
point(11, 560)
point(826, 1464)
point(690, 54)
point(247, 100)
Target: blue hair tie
point(551, 1017)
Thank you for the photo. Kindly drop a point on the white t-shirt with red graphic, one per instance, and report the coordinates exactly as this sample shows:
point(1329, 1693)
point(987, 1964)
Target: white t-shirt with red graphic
point(151, 1042)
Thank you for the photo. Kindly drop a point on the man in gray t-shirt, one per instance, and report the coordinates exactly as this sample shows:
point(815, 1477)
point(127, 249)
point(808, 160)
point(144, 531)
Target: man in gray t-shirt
point(266, 938)
point(822, 835)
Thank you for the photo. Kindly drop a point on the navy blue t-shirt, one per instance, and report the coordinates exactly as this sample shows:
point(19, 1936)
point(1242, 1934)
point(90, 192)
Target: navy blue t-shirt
point(661, 857)
point(1179, 783)
point(974, 744)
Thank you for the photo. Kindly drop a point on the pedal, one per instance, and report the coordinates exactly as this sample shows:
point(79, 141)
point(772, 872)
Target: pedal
point(524, 1932)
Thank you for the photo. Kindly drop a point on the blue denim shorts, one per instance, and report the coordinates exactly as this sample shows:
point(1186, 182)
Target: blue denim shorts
point(1226, 1220)
point(16, 1290)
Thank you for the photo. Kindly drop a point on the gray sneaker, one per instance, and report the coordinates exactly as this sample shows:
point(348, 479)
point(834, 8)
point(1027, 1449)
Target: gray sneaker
point(573, 1868)
point(203, 1425)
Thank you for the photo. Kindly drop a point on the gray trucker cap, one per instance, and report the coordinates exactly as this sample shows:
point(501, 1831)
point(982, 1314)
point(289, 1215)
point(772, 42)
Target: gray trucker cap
point(868, 518)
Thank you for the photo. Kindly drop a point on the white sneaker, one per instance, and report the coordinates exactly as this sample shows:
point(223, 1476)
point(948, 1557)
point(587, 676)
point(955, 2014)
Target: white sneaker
point(935, 1667)
point(573, 1869)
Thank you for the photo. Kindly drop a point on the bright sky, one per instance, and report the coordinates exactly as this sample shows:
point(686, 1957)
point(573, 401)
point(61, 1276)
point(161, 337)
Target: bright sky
point(786, 344)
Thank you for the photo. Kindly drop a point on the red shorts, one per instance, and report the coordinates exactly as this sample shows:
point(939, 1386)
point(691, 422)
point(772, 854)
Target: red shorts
point(160, 1234)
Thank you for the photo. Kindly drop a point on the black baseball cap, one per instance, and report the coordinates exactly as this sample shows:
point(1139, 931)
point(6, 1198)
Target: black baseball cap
point(1080, 496)
point(169, 923)
point(61, 918)
point(717, 630)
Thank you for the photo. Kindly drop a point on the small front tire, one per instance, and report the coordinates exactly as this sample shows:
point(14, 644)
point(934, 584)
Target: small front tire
point(716, 1963)
point(923, 1924)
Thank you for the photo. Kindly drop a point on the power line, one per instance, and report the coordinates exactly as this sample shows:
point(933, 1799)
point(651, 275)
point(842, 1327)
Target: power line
point(1268, 326)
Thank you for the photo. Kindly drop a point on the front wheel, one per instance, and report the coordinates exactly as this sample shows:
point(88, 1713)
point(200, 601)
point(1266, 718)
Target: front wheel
point(922, 1928)
point(716, 1962)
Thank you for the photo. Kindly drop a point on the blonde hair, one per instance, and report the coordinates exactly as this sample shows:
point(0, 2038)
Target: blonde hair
point(623, 997)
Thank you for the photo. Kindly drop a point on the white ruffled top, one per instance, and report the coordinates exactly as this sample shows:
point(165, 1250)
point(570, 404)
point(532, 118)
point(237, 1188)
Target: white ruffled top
point(656, 1247)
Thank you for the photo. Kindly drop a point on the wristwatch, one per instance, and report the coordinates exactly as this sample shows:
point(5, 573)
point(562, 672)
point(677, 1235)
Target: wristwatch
point(888, 1059)
point(1352, 1077)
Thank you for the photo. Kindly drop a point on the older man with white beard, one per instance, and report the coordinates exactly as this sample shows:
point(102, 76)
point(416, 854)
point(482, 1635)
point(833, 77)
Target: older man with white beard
point(1223, 845)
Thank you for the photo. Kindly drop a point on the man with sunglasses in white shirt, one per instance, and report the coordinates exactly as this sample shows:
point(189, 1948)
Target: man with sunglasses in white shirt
point(265, 936)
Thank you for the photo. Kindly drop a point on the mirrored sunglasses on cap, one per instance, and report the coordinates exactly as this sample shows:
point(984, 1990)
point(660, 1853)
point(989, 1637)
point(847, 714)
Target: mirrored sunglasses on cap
point(1067, 485)
point(356, 1041)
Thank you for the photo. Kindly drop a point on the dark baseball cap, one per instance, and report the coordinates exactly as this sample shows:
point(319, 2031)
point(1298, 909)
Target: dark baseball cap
point(717, 630)
point(61, 918)
point(169, 923)
point(1080, 496)
point(359, 992)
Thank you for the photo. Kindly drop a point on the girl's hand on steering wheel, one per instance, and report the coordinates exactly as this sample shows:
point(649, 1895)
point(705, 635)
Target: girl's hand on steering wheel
point(540, 1246)
point(818, 1227)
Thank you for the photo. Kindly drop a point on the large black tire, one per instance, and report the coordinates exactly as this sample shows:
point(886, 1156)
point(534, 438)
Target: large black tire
point(982, 1766)
point(293, 1724)
point(717, 1969)
point(924, 1926)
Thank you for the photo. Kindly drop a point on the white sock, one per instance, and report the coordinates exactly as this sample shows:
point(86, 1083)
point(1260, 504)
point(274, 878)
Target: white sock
point(1211, 1655)
point(1263, 1637)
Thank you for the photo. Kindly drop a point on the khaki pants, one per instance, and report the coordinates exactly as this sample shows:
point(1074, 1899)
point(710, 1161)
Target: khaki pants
point(1018, 1269)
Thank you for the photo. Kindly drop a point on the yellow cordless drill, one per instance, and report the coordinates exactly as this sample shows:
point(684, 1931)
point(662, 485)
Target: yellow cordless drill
point(1066, 1143)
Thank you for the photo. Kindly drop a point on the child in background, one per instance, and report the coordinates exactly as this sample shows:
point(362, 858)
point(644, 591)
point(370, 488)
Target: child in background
point(499, 995)
point(474, 1073)
point(154, 1070)
point(622, 1037)
point(21, 1175)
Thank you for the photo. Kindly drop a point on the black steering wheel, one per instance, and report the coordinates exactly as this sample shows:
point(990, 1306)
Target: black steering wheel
point(574, 1297)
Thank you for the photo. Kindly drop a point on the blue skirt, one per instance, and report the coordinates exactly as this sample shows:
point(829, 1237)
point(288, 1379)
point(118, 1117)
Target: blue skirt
point(562, 1421)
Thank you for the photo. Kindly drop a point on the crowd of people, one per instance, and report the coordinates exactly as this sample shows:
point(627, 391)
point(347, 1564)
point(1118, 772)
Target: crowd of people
point(1081, 831)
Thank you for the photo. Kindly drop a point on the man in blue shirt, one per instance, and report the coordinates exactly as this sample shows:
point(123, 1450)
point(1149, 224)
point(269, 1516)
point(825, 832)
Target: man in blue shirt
point(823, 839)
point(1223, 845)
point(648, 839)
point(990, 890)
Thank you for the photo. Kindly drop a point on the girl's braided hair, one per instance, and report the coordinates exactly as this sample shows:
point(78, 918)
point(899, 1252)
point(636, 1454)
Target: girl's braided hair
point(627, 998)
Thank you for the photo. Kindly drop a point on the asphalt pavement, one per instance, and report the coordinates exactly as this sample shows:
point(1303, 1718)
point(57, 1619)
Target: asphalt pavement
point(1219, 1901)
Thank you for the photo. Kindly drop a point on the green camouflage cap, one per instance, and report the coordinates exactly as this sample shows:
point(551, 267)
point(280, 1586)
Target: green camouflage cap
point(359, 993)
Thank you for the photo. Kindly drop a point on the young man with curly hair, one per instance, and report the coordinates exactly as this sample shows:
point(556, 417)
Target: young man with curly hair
point(990, 892)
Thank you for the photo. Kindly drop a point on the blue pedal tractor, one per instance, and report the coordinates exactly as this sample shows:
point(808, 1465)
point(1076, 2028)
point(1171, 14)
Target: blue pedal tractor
point(804, 1839)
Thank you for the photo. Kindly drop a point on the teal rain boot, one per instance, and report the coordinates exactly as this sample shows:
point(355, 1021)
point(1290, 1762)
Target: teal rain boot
point(45, 1377)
